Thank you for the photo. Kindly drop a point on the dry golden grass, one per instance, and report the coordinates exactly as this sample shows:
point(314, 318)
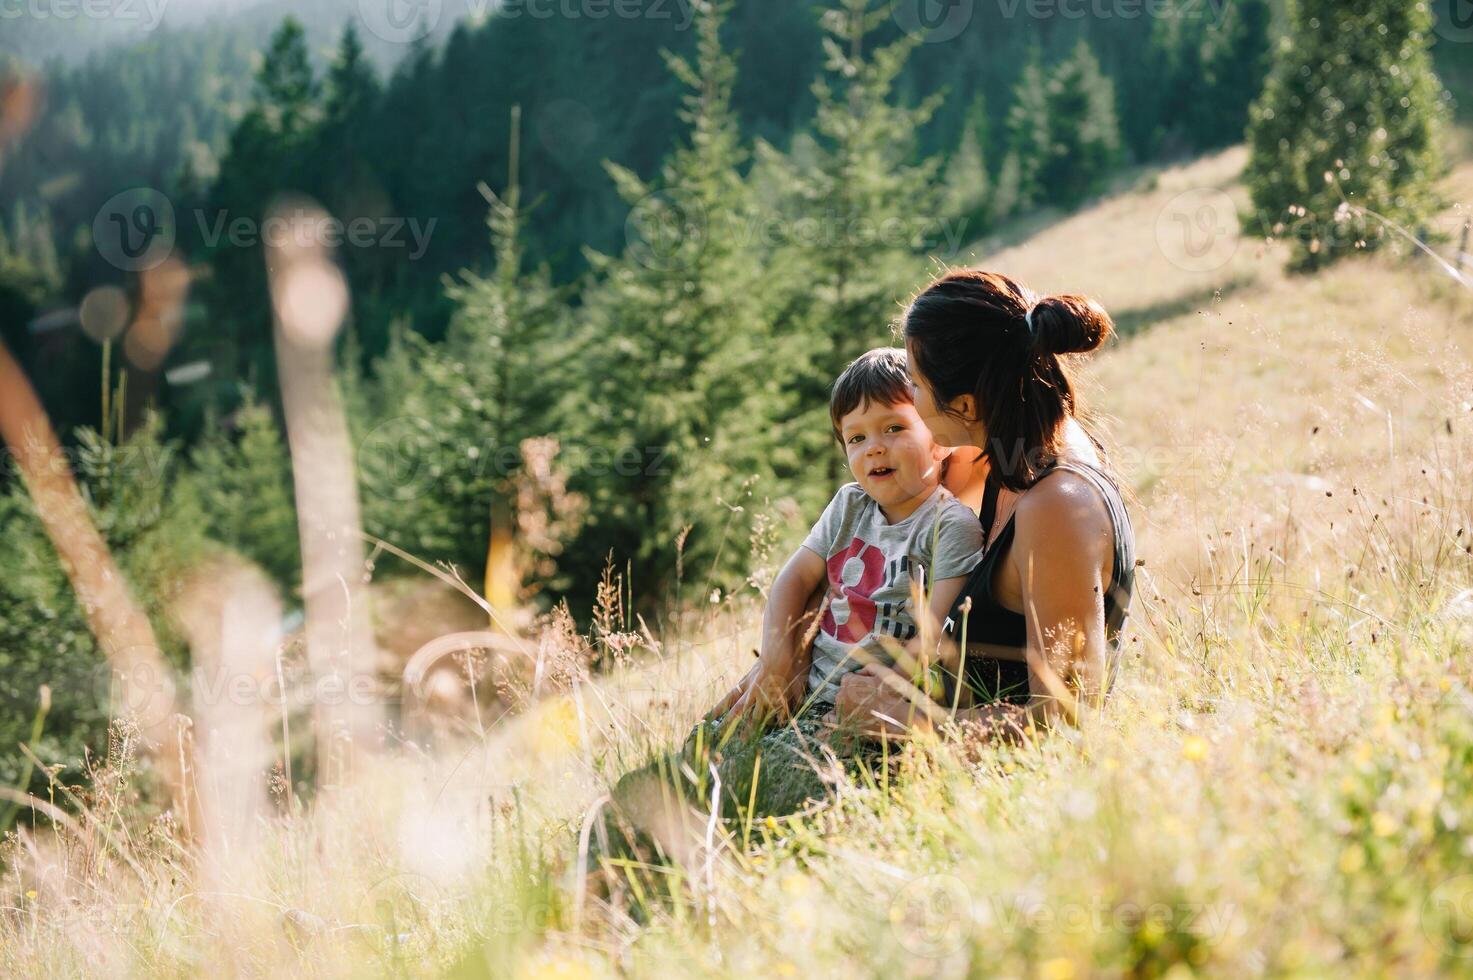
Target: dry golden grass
point(1281, 785)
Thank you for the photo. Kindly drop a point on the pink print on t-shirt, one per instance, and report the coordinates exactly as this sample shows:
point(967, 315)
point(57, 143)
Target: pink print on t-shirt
point(854, 574)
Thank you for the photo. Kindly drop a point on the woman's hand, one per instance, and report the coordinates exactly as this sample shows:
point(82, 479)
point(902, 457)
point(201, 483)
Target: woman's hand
point(881, 702)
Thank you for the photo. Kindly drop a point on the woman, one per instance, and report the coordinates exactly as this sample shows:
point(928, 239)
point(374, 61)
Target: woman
point(1040, 618)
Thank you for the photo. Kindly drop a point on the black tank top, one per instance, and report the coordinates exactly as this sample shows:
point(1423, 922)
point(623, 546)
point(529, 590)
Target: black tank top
point(993, 679)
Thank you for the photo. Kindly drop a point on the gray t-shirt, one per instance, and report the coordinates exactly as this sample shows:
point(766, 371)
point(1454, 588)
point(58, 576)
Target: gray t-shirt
point(870, 566)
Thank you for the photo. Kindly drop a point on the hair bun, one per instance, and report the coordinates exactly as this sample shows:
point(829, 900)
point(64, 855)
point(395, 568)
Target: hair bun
point(1070, 324)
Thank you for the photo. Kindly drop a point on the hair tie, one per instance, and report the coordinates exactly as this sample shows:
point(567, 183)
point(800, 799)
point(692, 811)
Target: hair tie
point(1028, 318)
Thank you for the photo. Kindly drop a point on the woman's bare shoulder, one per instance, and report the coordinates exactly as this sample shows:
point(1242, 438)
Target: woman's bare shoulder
point(1064, 510)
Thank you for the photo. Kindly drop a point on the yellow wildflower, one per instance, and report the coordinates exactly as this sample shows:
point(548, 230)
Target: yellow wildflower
point(1060, 968)
point(795, 885)
point(1194, 749)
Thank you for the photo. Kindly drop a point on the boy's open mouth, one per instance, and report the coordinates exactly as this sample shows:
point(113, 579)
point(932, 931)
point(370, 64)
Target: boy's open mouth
point(880, 472)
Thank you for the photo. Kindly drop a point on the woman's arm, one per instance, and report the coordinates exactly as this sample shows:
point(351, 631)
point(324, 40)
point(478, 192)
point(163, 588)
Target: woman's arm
point(781, 672)
point(1063, 554)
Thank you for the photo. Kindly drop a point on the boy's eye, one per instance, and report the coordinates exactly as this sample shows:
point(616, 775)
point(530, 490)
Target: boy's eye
point(855, 439)
point(895, 427)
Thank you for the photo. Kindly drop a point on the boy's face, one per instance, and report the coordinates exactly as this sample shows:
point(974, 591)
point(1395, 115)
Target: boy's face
point(892, 455)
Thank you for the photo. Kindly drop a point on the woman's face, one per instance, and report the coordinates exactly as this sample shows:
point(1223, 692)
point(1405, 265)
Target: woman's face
point(947, 428)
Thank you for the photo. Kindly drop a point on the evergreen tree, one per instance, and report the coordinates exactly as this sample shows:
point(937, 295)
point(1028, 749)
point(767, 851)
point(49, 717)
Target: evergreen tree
point(1030, 139)
point(1235, 61)
point(351, 84)
point(440, 452)
point(243, 484)
point(152, 524)
point(1084, 137)
point(964, 183)
point(860, 204)
point(286, 90)
point(268, 154)
point(674, 349)
point(1348, 122)
point(1213, 69)
point(1164, 112)
point(1006, 193)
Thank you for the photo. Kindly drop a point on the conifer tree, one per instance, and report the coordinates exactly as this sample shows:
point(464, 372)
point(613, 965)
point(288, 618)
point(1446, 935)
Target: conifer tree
point(243, 484)
point(1030, 139)
point(286, 89)
point(1005, 199)
point(1084, 136)
point(268, 154)
point(673, 348)
point(860, 205)
point(1348, 122)
point(440, 455)
point(351, 84)
point(1235, 61)
point(965, 183)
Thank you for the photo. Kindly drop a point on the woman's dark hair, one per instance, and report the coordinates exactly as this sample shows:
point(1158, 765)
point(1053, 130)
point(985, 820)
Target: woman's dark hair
point(985, 334)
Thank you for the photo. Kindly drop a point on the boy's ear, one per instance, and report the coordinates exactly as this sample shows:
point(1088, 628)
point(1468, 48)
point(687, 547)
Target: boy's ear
point(940, 452)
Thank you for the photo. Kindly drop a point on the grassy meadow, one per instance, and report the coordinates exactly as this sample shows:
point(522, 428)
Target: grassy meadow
point(1281, 783)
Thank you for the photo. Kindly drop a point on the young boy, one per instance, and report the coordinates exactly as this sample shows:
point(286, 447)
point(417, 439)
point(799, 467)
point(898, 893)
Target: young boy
point(893, 526)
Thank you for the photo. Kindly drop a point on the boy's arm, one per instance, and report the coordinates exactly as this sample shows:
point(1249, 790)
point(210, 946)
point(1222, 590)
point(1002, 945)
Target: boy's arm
point(783, 621)
point(943, 594)
point(958, 545)
point(781, 666)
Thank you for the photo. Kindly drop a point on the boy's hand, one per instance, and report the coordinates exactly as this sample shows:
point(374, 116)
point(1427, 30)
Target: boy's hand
point(763, 694)
point(775, 683)
point(733, 696)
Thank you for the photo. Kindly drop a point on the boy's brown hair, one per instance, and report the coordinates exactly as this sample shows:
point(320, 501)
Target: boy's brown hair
point(878, 375)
